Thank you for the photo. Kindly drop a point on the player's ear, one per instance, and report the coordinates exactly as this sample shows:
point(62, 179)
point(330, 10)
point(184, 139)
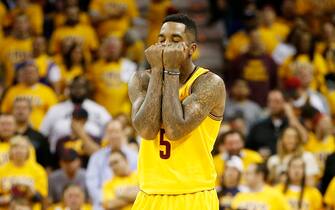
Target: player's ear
point(193, 48)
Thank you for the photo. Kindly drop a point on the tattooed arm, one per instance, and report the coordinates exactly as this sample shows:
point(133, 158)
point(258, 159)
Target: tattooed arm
point(207, 97)
point(145, 93)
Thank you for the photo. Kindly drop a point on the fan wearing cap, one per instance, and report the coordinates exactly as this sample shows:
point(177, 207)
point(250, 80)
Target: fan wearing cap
point(70, 172)
point(79, 140)
point(120, 192)
point(230, 181)
point(42, 97)
point(22, 178)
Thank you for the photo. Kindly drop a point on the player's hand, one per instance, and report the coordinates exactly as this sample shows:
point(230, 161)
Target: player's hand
point(173, 56)
point(153, 55)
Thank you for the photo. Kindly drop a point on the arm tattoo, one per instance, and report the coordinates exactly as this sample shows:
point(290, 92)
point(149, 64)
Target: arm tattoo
point(180, 118)
point(146, 101)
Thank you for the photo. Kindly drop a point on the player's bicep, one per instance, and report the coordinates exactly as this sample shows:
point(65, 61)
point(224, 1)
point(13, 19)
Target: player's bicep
point(207, 98)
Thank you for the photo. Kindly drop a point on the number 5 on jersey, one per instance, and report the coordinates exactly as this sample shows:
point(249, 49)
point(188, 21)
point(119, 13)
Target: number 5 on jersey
point(164, 154)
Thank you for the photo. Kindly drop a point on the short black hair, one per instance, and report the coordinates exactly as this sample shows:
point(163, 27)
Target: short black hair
point(184, 19)
point(261, 168)
point(231, 132)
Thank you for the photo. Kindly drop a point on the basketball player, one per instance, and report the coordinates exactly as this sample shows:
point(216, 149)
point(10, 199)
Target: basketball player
point(177, 109)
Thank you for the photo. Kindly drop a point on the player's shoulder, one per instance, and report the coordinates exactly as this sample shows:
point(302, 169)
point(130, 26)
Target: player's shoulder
point(211, 80)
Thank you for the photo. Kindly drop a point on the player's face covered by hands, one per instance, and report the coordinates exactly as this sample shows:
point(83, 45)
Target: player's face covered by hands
point(173, 48)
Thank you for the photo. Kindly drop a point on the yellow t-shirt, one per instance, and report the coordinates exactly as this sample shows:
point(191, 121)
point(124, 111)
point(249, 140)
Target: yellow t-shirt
point(4, 153)
point(155, 16)
point(41, 96)
point(12, 53)
point(182, 166)
point(60, 206)
point(267, 199)
point(135, 51)
point(81, 33)
point(119, 25)
point(110, 187)
point(248, 157)
point(31, 174)
point(320, 149)
point(331, 101)
point(60, 19)
point(237, 45)
point(312, 198)
point(329, 197)
point(35, 16)
point(269, 39)
point(110, 80)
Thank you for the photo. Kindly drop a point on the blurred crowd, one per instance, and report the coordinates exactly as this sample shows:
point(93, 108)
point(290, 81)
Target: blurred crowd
point(66, 140)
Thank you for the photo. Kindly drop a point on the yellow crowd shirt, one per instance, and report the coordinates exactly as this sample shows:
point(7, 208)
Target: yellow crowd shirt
point(30, 174)
point(182, 166)
point(248, 157)
point(312, 198)
point(110, 80)
point(118, 25)
point(329, 197)
point(60, 19)
point(4, 153)
point(14, 52)
point(81, 33)
point(42, 98)
point(267, 199)
point(35, 16)
point(110, 187)
point(320, 148)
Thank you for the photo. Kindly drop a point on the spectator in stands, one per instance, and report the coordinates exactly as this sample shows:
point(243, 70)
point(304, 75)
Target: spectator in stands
point(321, 141)
point(134, 47)
point(70, 173)
point(60, 18)
point(7, 131)
point(23, 178)
point(305, 53)
point(42, 97)
point(301, 93)
point(238, 102)
point(297, 194)
point(75, 31)
point(237, 122)
point(113, 17)
point(21, 111)
point(329, 172)
point(230, 184)
point(120, 192)
point(290, 144)
point(329, 198)
point(257, 68)
point(73, 198)
point(259, 196)
point(78, 140)
point(72, 64)
point(110, 76)
point(231, 143)
point(18, 47)
point(33, 11)
point(98, 167)
point(264, 134)
point(53, 124)
point(48, 70)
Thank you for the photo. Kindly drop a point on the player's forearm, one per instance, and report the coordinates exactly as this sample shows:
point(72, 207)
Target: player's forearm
point(172, 109)
point(147, 120)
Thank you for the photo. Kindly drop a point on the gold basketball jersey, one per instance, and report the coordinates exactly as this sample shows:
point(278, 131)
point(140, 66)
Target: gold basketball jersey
point(182, 166)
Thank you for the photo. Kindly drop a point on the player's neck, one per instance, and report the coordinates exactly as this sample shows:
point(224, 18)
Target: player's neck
point(186, 71)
